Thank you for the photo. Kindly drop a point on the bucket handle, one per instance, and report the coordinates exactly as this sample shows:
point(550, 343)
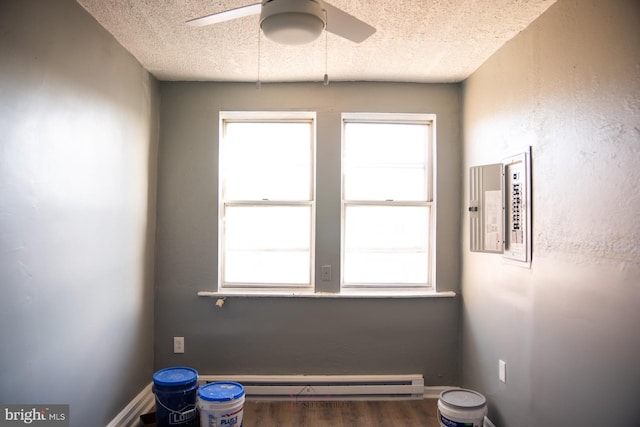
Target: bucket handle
point(187, 412)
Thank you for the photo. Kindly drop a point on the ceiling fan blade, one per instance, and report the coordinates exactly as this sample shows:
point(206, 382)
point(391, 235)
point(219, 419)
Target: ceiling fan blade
point(228, 15)
point(345, 25)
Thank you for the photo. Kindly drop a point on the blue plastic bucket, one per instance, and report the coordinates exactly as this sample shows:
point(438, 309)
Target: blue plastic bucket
point(221, 404)
point(176, 392)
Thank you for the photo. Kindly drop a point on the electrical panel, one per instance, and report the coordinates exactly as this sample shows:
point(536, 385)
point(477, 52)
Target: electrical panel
point(518, 208)
point(500, 208)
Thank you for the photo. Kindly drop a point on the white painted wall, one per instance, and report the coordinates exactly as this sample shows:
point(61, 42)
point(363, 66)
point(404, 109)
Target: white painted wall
point(569, 87)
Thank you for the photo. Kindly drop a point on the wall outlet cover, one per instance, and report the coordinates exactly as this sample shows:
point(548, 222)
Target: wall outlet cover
point(178, 344)
point(502, 371)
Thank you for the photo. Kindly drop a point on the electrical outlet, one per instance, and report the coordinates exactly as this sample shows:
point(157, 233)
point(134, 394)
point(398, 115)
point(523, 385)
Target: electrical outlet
point(325, 273)
point(178, 344)
point(502, 371)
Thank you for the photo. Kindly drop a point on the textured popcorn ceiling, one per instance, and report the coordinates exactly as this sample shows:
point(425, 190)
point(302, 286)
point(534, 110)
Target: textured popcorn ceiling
point(415, 41)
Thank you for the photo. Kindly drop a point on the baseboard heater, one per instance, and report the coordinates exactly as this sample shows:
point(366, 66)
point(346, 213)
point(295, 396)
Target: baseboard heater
point(327, 387)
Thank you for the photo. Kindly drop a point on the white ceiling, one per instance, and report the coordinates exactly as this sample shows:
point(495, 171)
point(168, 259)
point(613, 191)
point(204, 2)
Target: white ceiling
point(416, 40)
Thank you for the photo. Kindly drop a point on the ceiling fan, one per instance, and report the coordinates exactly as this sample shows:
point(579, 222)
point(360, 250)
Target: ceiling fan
point(295, 21)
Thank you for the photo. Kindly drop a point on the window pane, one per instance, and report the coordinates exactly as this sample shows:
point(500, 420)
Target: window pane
point(386, 244)
point(385, 161)
point(267, 268)
point(267, 161)
point(380, 183)
point(385, 268)
point(267, 227)
point(267, 244)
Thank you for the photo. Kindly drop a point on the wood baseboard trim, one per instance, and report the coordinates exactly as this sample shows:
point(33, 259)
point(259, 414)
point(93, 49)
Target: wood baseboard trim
point(143, 403)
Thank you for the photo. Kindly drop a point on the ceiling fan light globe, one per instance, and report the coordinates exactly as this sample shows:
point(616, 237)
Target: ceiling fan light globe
point(292, 28)
point(292, 21)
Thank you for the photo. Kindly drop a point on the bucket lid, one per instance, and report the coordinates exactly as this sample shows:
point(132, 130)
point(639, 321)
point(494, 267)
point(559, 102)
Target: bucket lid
point(221, 391)
point(176, 376)
point(463, 399)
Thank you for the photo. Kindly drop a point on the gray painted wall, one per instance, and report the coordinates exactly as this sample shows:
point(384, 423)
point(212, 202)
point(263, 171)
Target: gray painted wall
point(569, 86)
point(296, 335)
point(78, 142)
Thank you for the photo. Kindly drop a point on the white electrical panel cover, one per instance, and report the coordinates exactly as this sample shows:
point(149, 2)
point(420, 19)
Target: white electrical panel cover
point(486, 208)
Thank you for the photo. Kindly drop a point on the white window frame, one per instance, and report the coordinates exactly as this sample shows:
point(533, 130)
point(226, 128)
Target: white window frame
point(409, 118)
point(276, 117)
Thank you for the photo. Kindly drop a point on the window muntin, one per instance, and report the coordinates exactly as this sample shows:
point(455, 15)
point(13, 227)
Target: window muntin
point(387, 205)
point(267, 208)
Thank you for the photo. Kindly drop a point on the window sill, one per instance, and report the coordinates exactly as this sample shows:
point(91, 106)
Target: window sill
point(344, 294)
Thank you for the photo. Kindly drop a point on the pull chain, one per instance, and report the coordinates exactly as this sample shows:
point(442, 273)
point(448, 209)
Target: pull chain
point(326, 50)
point(258, 82)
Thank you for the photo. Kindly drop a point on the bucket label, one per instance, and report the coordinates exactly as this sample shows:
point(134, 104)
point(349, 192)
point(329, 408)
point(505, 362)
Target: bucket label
point(187, 414)
point(222, 420)
point(450, 423)
point(231, 421)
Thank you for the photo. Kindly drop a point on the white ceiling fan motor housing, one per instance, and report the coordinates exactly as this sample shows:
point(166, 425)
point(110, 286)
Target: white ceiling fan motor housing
point(292, 21)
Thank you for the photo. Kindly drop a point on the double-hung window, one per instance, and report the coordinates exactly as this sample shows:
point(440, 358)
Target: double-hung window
point(267, 200)
point(388, 210)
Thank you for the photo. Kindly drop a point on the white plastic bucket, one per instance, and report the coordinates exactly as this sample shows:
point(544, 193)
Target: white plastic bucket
point(221, 404)
point(461, 408)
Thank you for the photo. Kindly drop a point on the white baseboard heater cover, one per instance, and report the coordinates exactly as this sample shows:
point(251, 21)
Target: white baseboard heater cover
point(327, 387)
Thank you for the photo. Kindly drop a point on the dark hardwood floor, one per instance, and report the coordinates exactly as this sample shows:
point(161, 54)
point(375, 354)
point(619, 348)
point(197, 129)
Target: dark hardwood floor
point(401, 413)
